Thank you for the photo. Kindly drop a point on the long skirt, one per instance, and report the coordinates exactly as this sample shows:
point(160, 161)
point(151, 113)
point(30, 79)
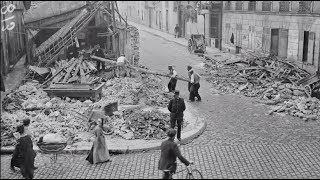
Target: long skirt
point(99, 151)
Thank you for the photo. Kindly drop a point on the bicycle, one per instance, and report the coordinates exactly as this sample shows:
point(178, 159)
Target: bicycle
point(191, 173)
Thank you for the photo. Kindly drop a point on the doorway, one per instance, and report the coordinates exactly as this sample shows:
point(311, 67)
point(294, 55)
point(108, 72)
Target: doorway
point(274, 42)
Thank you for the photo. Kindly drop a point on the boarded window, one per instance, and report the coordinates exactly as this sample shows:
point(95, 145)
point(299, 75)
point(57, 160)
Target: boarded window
point(284, 6)
point(266, 5)
point(239, 5)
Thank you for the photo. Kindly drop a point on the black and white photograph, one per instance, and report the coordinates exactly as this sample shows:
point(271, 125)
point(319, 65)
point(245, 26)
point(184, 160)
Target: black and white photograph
point(160, 89)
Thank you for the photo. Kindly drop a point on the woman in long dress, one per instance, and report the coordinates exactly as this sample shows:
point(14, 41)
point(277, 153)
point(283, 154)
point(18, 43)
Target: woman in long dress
point(23, 154)
point(99, 151)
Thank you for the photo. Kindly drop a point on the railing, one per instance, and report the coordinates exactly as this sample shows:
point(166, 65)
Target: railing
point(227, 5)
point(266, 5)
point(252, 5)
point(284, 6)
point(239, 5)
point(305, 7)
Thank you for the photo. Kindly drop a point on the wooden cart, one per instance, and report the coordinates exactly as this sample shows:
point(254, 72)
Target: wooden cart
point(93, 91)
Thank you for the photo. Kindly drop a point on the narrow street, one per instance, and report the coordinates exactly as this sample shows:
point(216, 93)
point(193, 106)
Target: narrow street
point(240, 140)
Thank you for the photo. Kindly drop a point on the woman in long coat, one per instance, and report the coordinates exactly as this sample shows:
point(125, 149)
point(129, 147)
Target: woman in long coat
point(99, 151)
point(23, 154)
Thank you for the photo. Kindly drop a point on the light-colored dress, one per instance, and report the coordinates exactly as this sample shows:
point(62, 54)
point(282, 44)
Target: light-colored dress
point(99, 151)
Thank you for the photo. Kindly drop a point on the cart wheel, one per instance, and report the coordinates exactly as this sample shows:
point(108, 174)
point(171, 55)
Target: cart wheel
point(190, 46)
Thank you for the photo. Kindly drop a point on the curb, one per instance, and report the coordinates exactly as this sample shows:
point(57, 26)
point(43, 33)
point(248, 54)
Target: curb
point(187, 140)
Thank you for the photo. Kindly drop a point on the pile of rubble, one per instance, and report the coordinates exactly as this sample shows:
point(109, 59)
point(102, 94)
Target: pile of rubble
point(271, 79)
point(57, 115)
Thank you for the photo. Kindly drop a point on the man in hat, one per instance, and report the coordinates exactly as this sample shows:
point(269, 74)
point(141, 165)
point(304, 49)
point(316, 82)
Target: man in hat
point(173, 79)
point(122, 63)
point(169, 153)
point(176, 107)
point(99, 53)
point(194, 85)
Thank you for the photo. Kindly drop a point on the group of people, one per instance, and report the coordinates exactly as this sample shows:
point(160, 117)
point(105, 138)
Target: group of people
point(193, 84)
point(122, 62)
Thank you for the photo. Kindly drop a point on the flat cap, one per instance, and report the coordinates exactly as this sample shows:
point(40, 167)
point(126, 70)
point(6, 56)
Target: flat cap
point(171, 132)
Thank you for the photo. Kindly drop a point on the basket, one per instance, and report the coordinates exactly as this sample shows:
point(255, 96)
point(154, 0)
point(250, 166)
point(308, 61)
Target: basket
point(51, 147)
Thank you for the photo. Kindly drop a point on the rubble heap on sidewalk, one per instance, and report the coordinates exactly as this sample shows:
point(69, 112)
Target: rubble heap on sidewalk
point(271, 79)
point(57, 115)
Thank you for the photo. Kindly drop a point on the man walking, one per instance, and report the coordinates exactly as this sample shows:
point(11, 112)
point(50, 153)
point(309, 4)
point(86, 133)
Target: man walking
point(195, 85)
point(176, 107)
point(173, 79)
point(176, 31)
point(99, 53)
point(169, 153)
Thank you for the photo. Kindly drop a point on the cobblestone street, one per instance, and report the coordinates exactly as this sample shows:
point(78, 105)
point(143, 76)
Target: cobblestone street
point(240, 140)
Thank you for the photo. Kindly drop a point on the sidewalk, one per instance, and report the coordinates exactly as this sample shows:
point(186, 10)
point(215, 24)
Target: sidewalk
point(196, 126)
point(170, 37)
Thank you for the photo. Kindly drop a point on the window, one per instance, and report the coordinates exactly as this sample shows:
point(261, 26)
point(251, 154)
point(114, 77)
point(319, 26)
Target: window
point(284, 6)
point(239, 5)
point(266, 5)
point(252, 5)
point(227, 5)
point(305, 6)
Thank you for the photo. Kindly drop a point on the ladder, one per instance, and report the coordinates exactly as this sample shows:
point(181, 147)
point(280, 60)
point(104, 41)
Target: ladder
point(51, 52)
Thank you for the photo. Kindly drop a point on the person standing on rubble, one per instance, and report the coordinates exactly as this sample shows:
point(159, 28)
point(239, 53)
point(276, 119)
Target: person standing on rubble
point(123, 64)
point(176, 107)
point(173, 79)
point(99, 53)
point(194, 86)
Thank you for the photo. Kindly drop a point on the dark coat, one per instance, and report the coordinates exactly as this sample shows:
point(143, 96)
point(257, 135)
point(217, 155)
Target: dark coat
point(2, 84)
point(23, 156)
point(169, 154)
point(176, 107)
point(98, 52)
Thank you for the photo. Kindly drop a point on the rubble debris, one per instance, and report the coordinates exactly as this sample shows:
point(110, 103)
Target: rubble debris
point(57, 115)
point(271, 79)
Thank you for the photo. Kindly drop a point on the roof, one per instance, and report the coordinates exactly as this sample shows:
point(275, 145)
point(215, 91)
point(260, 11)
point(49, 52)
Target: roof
point(51, 8)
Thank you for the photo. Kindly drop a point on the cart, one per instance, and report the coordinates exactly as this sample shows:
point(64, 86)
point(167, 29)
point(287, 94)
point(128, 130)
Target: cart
point(93, 91)
point(196, 44)
point(52, 151)
point(91, 115)
point(311, 83)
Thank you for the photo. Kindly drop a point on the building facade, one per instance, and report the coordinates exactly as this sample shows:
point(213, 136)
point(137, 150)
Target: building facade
point(288, 29)
point(13, 34)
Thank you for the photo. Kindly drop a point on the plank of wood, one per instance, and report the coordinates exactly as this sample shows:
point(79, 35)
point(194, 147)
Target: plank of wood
point(66, 77)
point(78, 68)
point(55, 75)
point(82, 75)
point(109, 61)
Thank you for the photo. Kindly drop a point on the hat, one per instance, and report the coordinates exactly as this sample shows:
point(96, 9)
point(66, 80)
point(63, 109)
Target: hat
point(189, 67)
point(170, 66)
point(176, 92)
point(171, 132)
point(26, 122)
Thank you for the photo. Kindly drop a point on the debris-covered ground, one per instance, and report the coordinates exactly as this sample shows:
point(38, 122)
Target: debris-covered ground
point(59, 115)
point(271, 79)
